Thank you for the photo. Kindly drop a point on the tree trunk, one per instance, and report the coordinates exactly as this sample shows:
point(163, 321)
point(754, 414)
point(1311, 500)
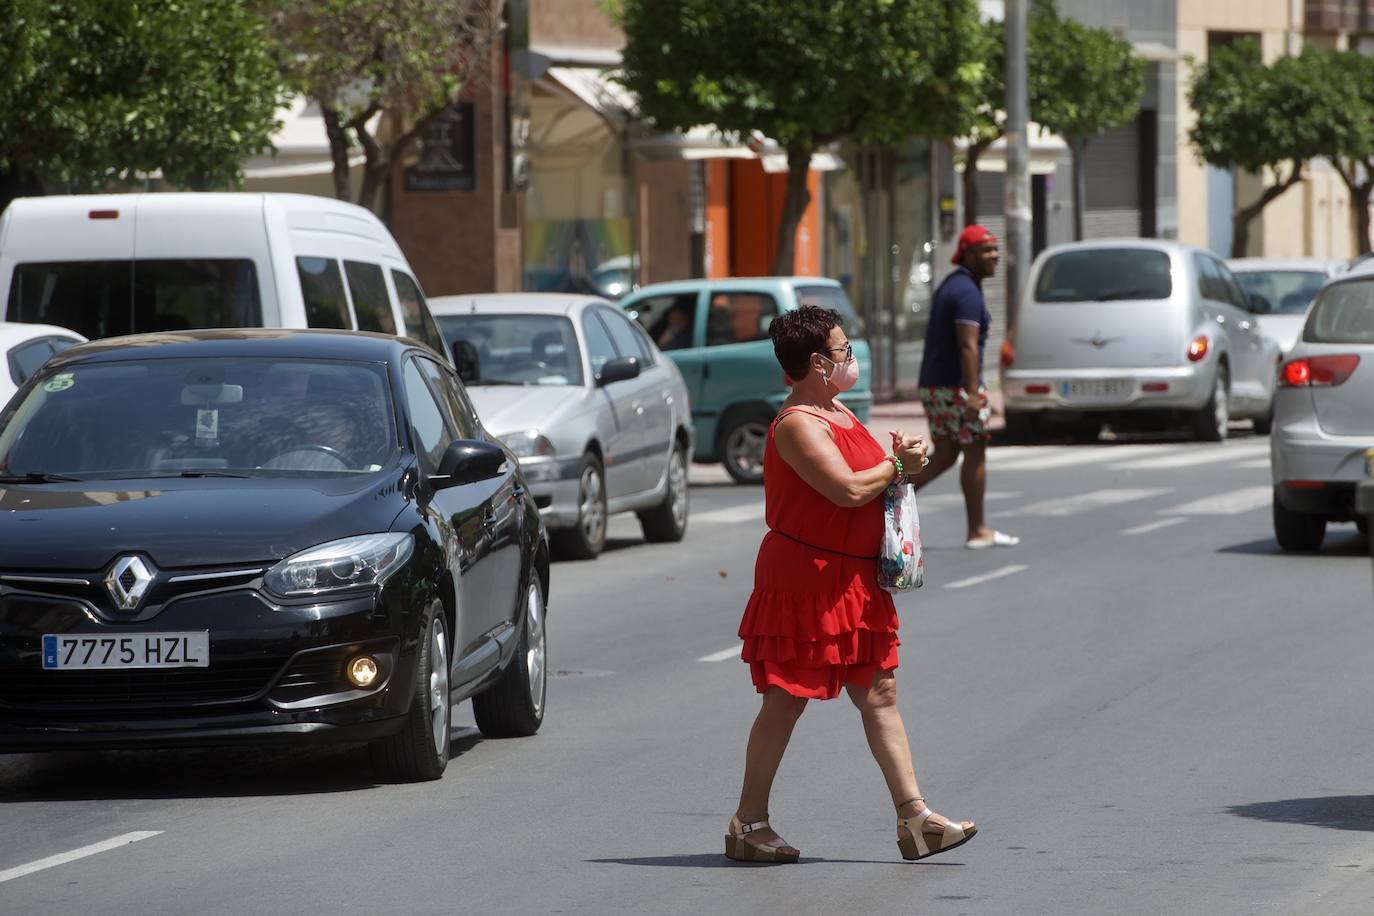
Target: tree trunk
point(1240, 219)
point(1358, 176)
point(1078, 147)
point(793, 206)
point(338, 149)
point(971, 157)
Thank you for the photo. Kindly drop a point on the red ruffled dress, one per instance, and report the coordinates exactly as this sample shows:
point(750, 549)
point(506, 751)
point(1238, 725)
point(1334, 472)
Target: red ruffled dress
point(818, 619)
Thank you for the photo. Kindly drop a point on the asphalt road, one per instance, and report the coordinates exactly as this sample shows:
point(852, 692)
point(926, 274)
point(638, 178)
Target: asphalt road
point(1146, 708)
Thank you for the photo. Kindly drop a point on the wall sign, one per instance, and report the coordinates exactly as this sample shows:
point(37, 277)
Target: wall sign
point(448, 153)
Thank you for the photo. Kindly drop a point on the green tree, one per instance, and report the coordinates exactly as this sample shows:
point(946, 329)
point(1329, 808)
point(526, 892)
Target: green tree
point(1266, 119)
point(404, 60)
point(805, 73)
point(1351, 74)
point(102, 93)
point(1085, 82)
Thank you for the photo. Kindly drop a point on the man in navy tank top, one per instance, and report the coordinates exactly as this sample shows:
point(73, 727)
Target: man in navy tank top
point(951, 382)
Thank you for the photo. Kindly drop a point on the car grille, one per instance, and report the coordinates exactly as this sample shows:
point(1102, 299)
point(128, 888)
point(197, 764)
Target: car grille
point(143, 688)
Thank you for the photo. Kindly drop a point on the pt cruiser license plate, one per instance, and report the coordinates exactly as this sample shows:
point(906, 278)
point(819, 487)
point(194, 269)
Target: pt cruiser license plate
point(149, 650)
point(1096, 390)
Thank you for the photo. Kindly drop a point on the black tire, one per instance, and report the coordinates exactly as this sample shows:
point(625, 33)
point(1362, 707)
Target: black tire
point(1022, 428)
point(1209, 423)
point(513, 707)
point(667, 522)
point(1264, 424)
point(741, 446)
point(587, 538)
point(1362, 524)
point(418, 752)
point(1297, 530)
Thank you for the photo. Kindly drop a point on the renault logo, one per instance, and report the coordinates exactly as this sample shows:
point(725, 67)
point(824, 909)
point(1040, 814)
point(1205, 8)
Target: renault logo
point(128, 581)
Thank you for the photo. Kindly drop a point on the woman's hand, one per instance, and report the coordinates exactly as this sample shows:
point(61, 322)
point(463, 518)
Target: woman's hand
point(910, 450)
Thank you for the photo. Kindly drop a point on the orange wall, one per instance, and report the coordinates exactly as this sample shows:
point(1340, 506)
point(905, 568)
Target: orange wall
point(755, 203)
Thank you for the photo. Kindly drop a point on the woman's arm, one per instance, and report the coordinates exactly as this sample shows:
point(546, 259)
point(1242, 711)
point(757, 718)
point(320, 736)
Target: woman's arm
point(806, 444)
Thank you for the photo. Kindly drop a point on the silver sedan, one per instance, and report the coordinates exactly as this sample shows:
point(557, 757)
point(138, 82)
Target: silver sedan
point(597, 415)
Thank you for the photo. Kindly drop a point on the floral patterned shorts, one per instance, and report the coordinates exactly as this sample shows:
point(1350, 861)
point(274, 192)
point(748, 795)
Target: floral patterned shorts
point(945, 413)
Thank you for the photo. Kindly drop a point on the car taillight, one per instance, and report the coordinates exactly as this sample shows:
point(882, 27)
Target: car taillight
point(1318, 371)
point(1008, 355)
point(1198, 348)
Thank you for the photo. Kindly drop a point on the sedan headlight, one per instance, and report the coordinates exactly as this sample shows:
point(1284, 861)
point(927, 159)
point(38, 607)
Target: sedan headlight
point(356, 562)
point(528, 444)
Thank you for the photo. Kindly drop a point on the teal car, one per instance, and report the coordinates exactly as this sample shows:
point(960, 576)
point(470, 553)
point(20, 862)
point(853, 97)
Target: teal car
point(716, 331)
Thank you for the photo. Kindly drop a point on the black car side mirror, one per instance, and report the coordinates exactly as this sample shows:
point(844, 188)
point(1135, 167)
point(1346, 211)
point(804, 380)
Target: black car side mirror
point(468, 461)
point(618, 370)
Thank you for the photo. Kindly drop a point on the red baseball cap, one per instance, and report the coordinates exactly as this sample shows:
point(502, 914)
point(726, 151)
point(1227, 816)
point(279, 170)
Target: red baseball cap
point(971, 237)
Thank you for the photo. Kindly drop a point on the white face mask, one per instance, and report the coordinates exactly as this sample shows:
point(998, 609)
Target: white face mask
point(843, 376)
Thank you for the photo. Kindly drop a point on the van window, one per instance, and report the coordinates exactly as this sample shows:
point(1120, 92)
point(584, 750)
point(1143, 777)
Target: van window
point(370, 301)
point(109, 298)
point(739, 317)
point(419, 322)
point(833, 297)
point(1104, 275)
point(323, 292)
point(1342, 314)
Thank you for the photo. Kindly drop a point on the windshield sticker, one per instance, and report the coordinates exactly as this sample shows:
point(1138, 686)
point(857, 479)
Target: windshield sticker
point(60, 382)
point(207, 427)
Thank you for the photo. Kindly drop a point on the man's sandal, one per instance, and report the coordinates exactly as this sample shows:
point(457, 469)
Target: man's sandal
point(740, 849)
point(925, 839)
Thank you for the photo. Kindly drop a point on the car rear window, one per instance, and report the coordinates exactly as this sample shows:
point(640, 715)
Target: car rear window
point(514, 349)
point(833, 297)
point(1104, 275)
point(1343, 313)
point(1286, 292)
point(109, 298)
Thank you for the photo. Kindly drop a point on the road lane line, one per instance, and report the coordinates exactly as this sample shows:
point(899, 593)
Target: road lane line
point(745, 513)
point(1154, 526)
point(1087, 502)
point(1073, 455)
point(1195, 456)
point(63, 858)
point(724, 654)
point(1255, 463)
point(988, 577)
point(1246, 499)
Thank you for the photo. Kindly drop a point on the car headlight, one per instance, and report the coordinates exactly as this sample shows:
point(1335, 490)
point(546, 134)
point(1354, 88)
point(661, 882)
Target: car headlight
point(528, 444)
point(356, 562)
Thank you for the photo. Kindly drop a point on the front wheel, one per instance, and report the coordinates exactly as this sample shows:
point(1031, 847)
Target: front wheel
point(419, 751)
point(586, 539)
point(742, 446)
point(667, 521)
point(1297, 530)
point(513, 707)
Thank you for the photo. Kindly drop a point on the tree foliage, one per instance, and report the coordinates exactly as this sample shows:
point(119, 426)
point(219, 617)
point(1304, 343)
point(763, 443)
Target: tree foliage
point(1260, 117)
point(805, 73)
point(406, 60)
point(98, 93)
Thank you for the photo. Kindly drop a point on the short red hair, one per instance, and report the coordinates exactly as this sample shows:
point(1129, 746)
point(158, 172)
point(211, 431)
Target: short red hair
point(799, 333)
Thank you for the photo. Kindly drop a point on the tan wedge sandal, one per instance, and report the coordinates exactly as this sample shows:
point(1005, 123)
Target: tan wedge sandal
point(926, 840)
point(743, 850)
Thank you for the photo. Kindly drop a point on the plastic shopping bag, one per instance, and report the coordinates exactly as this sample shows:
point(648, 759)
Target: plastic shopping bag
point(900, 564)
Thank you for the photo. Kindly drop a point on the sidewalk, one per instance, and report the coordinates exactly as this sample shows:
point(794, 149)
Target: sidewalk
point(910, 416)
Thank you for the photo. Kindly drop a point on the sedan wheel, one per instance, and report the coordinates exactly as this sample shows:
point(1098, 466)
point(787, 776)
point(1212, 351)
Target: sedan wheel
point(1210, 424)
point(586, 539)
point(1297, 530)
point(742, 449)
point(667, 521)
point(420, 749)
point(513, 707)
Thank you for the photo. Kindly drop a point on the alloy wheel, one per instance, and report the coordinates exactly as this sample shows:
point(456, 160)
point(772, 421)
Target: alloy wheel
point(1221, 407)
point(677, 487)
point(744, 449)
point(592, 511)
point(438, 685)
point(536, 647)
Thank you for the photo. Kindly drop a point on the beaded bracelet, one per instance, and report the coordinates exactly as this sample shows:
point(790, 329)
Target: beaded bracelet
point(897, 463)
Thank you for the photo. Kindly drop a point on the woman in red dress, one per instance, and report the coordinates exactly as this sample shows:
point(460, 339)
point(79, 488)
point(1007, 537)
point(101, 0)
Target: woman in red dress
point(817, 620)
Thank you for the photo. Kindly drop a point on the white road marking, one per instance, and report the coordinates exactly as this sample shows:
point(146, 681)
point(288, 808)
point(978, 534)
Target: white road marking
point(1154, 526)
point(1195, 456)
point(1046, 458)
point(944, 500)
point(724, 654)
point(1087, 502)
point(1246, 499)
point(988, 577)
point(746, 513)
point(125, 839)
point(1255, 463)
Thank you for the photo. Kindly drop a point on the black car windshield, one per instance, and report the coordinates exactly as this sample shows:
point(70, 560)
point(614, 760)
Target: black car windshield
point(229, 417)
point(513, 349)
point(833, 297)
point(1280, 292)
point(1104, 275)
point(1343, 314)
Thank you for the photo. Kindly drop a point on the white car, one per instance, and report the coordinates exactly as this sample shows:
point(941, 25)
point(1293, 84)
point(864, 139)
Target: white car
point(1324, 415)
point(1278, 292)
point(598, 417)
point(26, 347)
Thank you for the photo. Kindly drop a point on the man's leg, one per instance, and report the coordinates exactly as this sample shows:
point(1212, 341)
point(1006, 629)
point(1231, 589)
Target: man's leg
point(946, 453)
point(973, 480)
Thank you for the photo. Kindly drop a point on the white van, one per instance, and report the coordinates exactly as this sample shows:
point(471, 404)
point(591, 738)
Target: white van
point(111, 264)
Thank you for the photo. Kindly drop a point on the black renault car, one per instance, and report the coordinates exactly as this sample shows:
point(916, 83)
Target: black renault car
point(217, 537)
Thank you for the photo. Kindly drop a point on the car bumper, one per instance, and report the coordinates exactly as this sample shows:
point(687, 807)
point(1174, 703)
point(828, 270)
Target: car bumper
point(1316, 471)
point(555, 484)
point(1173, 388)
point(276, 674)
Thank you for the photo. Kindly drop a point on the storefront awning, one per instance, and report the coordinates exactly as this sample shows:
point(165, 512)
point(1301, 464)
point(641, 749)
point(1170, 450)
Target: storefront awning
point(301, 143)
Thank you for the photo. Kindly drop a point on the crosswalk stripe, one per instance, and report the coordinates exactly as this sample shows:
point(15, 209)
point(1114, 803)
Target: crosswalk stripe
point(1075, 455)
point(745, 513)
point(988, 577)
point(1193, 457)
point(724, 654)
point(124, 839)
point(1154, 526)
point(1086, 502)
point(946, 500)
point(1246, 499)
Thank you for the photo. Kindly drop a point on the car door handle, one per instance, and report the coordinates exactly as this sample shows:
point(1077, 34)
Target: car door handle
point(518, 492)
point(1245, 325)
point(489, 519)
point(1221, 319)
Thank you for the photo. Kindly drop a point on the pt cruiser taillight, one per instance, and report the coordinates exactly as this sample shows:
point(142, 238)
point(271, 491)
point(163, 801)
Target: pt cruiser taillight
point(1318, 371)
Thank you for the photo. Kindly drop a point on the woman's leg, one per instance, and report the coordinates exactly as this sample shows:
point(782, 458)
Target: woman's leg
point(767, 743)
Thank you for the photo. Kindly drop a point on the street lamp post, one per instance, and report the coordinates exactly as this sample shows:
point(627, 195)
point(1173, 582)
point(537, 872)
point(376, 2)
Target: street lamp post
point(1016, 200)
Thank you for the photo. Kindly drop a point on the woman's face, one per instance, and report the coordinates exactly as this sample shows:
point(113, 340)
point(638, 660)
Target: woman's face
point(836, 348)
